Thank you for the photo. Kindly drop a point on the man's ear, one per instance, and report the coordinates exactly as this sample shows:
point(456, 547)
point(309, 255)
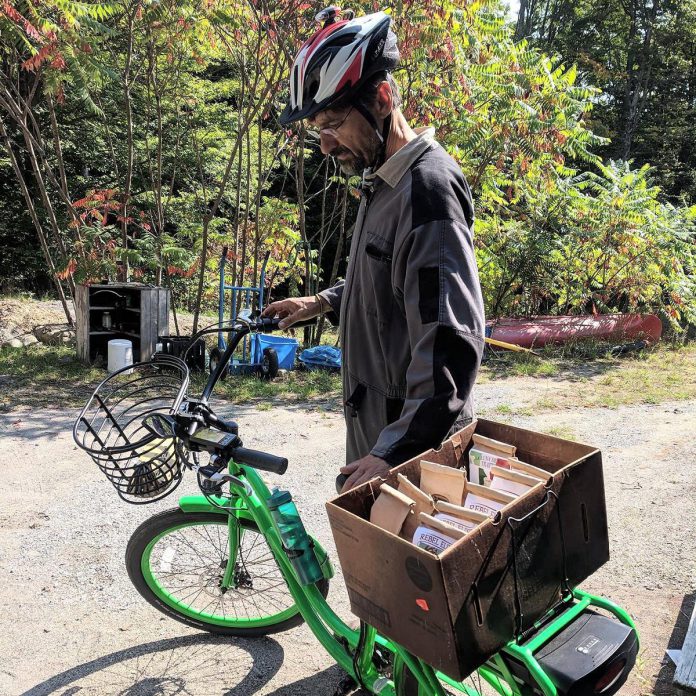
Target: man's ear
point(383, 100)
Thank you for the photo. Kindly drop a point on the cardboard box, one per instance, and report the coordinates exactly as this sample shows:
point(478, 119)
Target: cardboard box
point(458, 609)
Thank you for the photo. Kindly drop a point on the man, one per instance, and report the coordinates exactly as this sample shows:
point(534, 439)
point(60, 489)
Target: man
point(410, 308)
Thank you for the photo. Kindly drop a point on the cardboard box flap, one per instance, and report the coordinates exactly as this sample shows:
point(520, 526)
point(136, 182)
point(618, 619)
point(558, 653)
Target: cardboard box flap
point(543, 451)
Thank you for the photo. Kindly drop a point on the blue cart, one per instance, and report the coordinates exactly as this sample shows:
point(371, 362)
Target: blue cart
point(256, 358)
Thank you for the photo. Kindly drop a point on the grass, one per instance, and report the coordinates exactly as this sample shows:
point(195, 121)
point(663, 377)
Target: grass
point(570, 378)
point(41, 375)
point(52, 376)
point(562, 431)
point(290, 387)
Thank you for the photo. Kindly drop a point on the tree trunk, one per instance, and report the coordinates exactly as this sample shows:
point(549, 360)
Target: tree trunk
point(339, 252)
point(125, 272)
point(48, 206)
point(638, 72)
point(37, 224)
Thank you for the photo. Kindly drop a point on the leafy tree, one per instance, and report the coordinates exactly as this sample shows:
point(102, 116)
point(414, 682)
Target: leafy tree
point(640, 53)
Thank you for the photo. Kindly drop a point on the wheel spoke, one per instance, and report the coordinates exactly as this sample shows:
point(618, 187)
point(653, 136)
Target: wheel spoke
point(187, 564)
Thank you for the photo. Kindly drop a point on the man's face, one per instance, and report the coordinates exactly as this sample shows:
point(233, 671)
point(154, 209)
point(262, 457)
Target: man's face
point(348, 137)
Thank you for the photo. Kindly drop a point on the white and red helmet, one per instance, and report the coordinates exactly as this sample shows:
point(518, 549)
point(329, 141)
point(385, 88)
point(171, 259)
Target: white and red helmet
point(334, 63)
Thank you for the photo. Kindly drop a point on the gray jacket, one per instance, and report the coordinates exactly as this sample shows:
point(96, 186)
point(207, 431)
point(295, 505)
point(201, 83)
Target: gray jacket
point(410, 308)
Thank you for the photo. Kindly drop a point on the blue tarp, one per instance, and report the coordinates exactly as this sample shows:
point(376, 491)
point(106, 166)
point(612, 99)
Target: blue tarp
point(321, 357)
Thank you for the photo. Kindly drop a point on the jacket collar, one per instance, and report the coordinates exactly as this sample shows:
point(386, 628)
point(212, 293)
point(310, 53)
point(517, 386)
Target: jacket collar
point(399, 163)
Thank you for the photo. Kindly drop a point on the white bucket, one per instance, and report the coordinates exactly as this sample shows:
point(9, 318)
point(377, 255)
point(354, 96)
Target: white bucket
point(120, 355)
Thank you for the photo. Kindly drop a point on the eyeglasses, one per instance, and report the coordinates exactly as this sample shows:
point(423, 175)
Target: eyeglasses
point(331, 131)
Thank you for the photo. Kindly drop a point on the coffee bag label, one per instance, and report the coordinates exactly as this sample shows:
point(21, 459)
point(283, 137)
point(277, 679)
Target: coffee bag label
point(480, 464)
point(465, 525)
point(432, 540)
point(480, 504)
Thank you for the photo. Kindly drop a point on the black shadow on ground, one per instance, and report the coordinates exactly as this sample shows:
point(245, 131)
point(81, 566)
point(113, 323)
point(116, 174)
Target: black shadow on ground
point(170, 676)
point(324, 682)
point(663, 683)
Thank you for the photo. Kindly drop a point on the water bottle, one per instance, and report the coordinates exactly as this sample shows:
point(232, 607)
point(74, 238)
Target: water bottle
point(296, 541)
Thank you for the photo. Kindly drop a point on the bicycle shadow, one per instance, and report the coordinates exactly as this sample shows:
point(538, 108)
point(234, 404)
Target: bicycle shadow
point(325, 682)
point(172, 667)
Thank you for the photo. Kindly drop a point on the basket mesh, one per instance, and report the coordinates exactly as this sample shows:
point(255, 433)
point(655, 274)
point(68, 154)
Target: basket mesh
point(142, 466)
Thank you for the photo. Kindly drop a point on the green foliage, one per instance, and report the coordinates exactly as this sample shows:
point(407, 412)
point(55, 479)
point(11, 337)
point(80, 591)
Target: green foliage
point(558, 231)
point(167, 124)
point(640, 54)
point(594, 243)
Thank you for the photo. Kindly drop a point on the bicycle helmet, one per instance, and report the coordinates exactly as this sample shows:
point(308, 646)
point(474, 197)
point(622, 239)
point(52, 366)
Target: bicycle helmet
point(337, 61)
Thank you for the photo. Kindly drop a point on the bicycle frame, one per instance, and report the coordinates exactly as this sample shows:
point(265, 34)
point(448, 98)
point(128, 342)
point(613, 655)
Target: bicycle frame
point(341, 641)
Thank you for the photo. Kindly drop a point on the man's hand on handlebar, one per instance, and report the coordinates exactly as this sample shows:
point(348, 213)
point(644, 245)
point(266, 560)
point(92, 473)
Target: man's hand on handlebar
point(292, 310)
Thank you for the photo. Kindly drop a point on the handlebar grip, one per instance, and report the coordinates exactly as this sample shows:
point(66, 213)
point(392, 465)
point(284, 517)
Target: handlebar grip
point(260, 460)
point(269, 324)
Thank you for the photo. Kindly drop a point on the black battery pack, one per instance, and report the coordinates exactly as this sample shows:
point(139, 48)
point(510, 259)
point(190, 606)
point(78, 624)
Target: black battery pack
point(592, 655)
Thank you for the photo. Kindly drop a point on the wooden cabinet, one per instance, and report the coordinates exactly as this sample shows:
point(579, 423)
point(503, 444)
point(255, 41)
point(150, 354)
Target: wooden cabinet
point(134, 311)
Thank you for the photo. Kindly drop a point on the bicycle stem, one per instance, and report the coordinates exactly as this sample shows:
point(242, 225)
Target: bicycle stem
point(222, 364)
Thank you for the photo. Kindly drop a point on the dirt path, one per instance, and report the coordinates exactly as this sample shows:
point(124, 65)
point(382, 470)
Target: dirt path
point(73, 624)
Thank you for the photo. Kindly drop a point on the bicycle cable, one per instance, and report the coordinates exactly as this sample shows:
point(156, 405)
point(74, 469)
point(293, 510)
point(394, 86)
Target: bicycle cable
point(356, 656)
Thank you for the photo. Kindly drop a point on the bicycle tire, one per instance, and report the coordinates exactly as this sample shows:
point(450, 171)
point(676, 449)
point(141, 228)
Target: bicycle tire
point(268, 369)
point(150, 583)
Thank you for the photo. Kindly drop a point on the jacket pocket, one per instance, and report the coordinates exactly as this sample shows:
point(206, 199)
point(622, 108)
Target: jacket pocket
point(354, 401)
point(374, 252)
point(377, 294)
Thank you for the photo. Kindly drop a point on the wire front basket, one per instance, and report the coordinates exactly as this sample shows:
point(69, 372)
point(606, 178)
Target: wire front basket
point(142, 466)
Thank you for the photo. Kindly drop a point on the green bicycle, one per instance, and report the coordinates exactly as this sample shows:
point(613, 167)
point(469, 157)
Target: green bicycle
point(218, 562)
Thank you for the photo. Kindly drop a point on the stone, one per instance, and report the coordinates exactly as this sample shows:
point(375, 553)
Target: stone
point(15, 343)
point(55, 334)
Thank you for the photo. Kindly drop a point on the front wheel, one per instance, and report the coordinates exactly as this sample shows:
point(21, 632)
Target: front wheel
point(178, 561)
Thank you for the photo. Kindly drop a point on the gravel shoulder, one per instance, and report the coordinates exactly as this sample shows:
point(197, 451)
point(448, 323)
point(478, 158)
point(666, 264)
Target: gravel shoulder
point(73, 624)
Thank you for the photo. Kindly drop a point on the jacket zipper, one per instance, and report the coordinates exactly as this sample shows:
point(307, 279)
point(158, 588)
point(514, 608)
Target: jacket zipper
point(367, 192)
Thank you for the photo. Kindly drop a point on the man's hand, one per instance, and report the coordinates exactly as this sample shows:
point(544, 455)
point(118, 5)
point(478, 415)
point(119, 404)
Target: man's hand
point(363, 470)
point(293, 310)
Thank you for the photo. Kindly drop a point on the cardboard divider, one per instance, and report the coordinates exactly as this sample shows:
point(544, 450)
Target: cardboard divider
point(457, 609)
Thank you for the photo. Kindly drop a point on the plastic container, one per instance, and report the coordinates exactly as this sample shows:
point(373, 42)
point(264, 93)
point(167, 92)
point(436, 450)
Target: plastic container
point(120, 354)
point(178, 345)
point(298, 544)
point(286, 348)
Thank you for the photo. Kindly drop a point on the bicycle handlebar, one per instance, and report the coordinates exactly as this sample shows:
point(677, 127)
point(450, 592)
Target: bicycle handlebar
point(202, 414)
point(269, 324)
point(260, 460)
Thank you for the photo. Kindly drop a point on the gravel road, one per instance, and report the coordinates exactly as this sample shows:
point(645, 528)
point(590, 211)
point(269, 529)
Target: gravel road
point(73, 624)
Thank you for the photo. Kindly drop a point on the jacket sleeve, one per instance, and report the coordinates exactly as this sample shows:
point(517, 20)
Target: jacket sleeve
point(333, 296)
point(435, 273)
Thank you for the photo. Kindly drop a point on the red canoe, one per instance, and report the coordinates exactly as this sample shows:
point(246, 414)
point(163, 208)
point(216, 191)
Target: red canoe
point(535, 332)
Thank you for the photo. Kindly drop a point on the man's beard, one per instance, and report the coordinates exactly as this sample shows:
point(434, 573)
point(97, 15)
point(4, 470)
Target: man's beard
point(355, 164)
